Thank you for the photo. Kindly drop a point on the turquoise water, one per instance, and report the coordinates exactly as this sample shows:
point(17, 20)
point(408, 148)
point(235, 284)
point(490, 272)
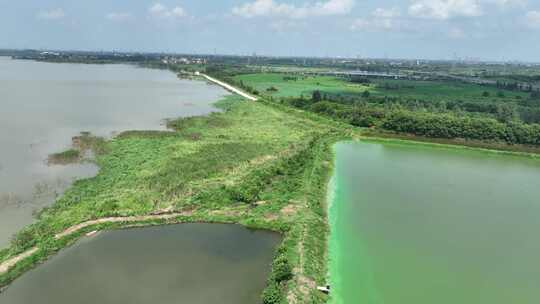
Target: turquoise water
point(416, 224)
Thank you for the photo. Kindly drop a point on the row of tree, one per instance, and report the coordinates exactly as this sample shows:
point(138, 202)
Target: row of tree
point(437, 125)
point(525, 110)
point(515, 86)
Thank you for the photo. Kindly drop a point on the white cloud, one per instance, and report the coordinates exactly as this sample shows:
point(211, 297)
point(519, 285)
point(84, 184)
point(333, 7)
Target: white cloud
point(119, 17)
point(178, 12)
point(373, 25)
point(533, 19)
point(381, 20)
point(445, 9)
point(334, 7)
point(506, 3)
point(159, 10)
point(53, 14)
point(265, 8)
point(386, 13)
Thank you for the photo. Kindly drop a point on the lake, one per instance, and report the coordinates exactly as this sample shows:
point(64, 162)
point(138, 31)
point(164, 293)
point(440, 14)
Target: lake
point(415, 224)
point(185, 263)
point(43, 105)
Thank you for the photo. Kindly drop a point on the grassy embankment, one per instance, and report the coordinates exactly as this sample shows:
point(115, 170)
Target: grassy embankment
point(253, 164)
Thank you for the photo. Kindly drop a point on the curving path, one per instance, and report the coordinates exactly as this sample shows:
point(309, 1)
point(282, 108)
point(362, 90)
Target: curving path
point(6, 265)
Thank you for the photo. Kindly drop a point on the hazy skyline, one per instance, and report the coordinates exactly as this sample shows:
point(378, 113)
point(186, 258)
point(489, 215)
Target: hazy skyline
point(430, 29)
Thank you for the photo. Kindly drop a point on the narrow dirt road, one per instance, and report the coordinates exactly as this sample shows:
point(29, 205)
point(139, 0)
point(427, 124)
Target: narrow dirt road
point(229, 87)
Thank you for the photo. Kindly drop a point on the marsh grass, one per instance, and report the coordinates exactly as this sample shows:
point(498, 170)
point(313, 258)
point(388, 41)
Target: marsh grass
point(88, 142)
point(218, 167)
point(84, 147)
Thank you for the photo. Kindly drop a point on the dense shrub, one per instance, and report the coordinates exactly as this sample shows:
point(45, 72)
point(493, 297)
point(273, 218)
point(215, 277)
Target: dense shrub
point(281, 269)
point(429, 124)
point(272, 294)
point(281, 273)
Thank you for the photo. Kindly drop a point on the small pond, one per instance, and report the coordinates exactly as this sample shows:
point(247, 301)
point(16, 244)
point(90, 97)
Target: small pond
point(185, 263)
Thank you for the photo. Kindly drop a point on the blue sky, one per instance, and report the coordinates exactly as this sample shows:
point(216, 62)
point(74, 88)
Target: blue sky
point(431, 29)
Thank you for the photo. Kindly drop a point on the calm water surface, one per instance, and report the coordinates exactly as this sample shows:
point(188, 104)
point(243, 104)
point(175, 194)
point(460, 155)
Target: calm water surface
point(423, 225)
point(43, 105)
point(189, 263)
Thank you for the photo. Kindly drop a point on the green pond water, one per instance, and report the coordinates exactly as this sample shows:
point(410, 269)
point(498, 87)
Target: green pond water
point(187, 263)
point(415, 224)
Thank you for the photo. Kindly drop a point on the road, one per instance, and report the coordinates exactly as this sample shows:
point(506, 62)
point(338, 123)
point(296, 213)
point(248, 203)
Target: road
point(229, 87)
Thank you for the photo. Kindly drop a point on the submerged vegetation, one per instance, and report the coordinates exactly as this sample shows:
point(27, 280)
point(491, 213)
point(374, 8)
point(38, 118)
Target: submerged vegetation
point(82, 145)
point(66, 157)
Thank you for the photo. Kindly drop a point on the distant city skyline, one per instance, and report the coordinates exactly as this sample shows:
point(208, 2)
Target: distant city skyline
point(488, 30)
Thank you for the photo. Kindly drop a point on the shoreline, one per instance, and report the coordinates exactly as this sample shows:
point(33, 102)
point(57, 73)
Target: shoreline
point(296, 217)
point(124, 222)
point(331, 218)
point(450, 146)
point(31, 259)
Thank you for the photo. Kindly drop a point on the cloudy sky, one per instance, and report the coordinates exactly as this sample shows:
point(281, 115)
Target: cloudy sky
point(431, 29)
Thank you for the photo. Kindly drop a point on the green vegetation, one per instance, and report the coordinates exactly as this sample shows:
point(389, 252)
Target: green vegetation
point(442, 125)
point(281, 273)
point(254, 164)
point(295, 85)
point(82, 144)
point(88, 142)
point(443, 109)
point(66, 157)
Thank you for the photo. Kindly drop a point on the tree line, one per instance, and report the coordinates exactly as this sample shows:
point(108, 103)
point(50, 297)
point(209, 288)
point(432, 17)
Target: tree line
point(413, 116)
point(437, 125)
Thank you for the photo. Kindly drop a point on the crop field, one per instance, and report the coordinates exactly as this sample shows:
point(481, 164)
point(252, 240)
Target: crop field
point(291, 85)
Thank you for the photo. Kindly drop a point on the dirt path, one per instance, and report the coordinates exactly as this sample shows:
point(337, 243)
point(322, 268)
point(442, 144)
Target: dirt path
point(6, 265)
point(304, 283)
point(229, 87)
point(128, 219)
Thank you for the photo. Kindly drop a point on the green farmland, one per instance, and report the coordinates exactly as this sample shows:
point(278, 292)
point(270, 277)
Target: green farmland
point(294, 85)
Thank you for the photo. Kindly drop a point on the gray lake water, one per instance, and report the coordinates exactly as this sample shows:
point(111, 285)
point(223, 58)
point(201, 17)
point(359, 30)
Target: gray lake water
point(43, 105)
point(187, 263)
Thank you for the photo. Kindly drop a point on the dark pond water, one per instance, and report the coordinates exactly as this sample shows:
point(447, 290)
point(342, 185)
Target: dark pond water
point(187, 263)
